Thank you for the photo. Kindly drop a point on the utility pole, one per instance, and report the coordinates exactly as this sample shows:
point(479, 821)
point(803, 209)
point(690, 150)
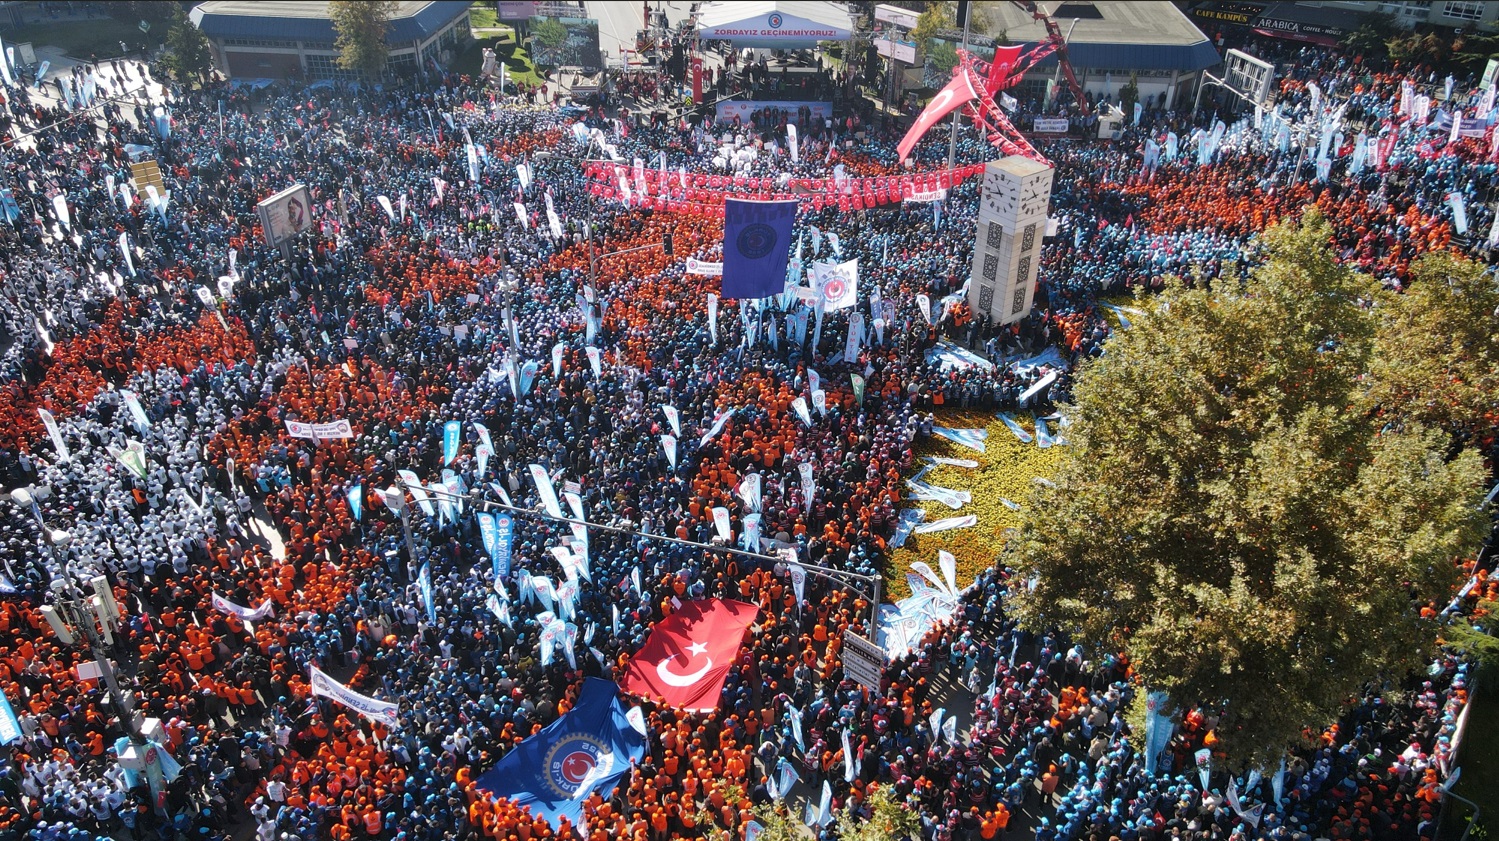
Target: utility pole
point(965, 13)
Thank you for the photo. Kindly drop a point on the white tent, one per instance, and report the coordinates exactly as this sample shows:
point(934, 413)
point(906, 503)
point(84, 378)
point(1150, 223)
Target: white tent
point(780, 24)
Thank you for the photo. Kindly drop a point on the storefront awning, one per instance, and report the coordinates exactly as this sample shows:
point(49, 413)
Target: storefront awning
point(780, 24)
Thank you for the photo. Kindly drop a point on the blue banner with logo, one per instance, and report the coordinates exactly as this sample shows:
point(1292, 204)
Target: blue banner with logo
point(756, 247)
point(451, 432)
point(588, 750)
point(504, 537)
point(424, 585)
point(10, 726)
point(356, 501)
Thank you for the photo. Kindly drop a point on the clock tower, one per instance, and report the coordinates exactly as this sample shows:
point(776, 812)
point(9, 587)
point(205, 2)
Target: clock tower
point(1013, 201)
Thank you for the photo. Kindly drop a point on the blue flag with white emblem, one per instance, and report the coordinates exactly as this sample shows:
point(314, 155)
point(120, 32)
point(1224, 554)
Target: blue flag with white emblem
point(588, 750)
point(756, 247)
point(450, 435)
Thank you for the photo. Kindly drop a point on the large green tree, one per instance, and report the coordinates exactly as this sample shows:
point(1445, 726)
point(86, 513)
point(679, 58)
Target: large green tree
point(1233, 516)
point(1437, 357)
point(189, 56)
point(889, 820)
point(361, 26)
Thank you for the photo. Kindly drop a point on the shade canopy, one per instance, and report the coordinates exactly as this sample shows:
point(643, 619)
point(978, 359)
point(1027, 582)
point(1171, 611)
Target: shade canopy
point(779, 24)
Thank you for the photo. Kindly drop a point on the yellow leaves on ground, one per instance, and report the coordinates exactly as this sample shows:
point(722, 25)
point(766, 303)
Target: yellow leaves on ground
point(1005, 471)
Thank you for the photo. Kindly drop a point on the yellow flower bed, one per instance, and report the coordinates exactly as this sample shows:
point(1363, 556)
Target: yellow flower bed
point(1005, 470)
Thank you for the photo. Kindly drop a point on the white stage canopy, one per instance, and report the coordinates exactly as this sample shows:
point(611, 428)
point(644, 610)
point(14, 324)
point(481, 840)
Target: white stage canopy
point(778, 24)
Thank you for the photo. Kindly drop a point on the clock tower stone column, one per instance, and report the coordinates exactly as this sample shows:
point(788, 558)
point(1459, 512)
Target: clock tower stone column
point(1007, 245)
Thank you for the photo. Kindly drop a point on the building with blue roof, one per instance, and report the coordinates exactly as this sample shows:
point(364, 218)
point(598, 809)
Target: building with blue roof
point(294, 39)
point(1108, 42)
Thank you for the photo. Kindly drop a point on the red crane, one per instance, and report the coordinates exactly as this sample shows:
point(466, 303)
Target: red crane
point(1058, 44)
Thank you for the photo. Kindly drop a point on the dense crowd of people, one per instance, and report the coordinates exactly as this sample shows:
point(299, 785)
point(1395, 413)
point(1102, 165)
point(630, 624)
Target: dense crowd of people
point(173, 348)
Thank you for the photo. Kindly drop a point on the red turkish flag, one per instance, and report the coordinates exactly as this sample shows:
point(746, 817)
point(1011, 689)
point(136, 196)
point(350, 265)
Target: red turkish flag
point(958, 92)
point(688, 655)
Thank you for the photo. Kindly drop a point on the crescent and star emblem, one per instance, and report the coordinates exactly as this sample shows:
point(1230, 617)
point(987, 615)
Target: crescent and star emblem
point(671, 678)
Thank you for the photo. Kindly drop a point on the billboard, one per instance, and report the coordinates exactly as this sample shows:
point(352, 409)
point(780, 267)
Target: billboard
point(729, 109)
point(285, 214)
point(899, 50)
point(904, 18)
point(566, 42)
point(516, 9)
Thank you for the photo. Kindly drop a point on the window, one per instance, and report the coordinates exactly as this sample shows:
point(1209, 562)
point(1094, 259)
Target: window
point(1028, 239)
point(326, 67)
point(996, 235)
point(986, 299)
point(1023, 270)
point(991, 266)
point(258, 42)
point(1463, 9)
point(1019, 303)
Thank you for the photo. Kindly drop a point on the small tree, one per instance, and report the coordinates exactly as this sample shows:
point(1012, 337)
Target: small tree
point(547, 39)
point(939, 15)
point(1129, 95)
point(778, 823)
point(1370, 38)
point(361, 26)
point(889, 820)
point(189, 57)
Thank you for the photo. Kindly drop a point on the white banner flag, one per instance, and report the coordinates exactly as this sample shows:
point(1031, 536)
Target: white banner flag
point(223, 605)
point(326, 687)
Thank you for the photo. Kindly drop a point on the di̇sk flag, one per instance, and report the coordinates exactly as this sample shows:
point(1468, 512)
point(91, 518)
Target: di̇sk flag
point(585, 751)
point(689, 654)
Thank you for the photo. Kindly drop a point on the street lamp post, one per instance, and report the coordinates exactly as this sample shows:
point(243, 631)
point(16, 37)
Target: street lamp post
point(75, 613)
point(395, 500)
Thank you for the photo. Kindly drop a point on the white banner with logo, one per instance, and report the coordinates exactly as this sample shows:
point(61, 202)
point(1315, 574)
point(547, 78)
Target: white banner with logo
point(223, 605)
point(326, 687)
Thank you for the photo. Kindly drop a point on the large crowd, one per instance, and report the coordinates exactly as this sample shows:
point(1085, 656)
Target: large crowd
point(419, 297)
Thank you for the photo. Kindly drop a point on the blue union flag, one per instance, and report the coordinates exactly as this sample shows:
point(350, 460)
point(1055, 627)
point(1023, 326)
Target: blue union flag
point(756, 247)
point(585, 751)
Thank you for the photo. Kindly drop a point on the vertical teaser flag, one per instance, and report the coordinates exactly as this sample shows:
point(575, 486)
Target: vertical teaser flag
point(451, 431)
point(585, 751)
point(756, 247)
point(504, 538)
point(688, 655)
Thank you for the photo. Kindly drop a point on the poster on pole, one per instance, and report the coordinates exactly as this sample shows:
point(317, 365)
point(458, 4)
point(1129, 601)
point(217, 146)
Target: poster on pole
point(285, 214)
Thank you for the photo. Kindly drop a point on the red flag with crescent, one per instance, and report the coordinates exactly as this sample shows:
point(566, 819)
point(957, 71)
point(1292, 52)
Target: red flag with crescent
point(689, 653)
point(958, 92)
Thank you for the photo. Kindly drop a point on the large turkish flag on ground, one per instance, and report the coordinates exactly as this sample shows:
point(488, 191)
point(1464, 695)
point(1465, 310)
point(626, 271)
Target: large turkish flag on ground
point(688, 655)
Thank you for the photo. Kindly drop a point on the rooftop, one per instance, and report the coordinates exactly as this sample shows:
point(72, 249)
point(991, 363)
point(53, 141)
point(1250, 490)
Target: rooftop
point(307, 20)
point(1137, 34)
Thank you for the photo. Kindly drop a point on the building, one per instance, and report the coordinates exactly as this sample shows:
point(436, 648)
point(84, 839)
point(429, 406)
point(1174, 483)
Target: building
point(1110, 41)
point(294, 39)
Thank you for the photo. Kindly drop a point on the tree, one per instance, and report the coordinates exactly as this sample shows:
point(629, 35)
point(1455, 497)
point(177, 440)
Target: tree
point(189, 57)
point(547, 40)
point(1438, 355)
point(778, 823)
point(889, 820)
point(938, 15)
point(361, 26)
point(1370, 38)
point(1230, 513)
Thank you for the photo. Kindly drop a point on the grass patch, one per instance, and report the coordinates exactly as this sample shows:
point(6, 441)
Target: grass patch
point(81, 38)
point(519, 68)
point(1006, 469)
point(483, 15)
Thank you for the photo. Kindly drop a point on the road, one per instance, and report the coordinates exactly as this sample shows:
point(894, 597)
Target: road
point(619, 20)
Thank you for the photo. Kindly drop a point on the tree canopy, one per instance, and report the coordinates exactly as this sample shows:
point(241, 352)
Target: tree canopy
point(1437, 360)
point(361, 26)
point(1234, 516)
point(189, 56)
